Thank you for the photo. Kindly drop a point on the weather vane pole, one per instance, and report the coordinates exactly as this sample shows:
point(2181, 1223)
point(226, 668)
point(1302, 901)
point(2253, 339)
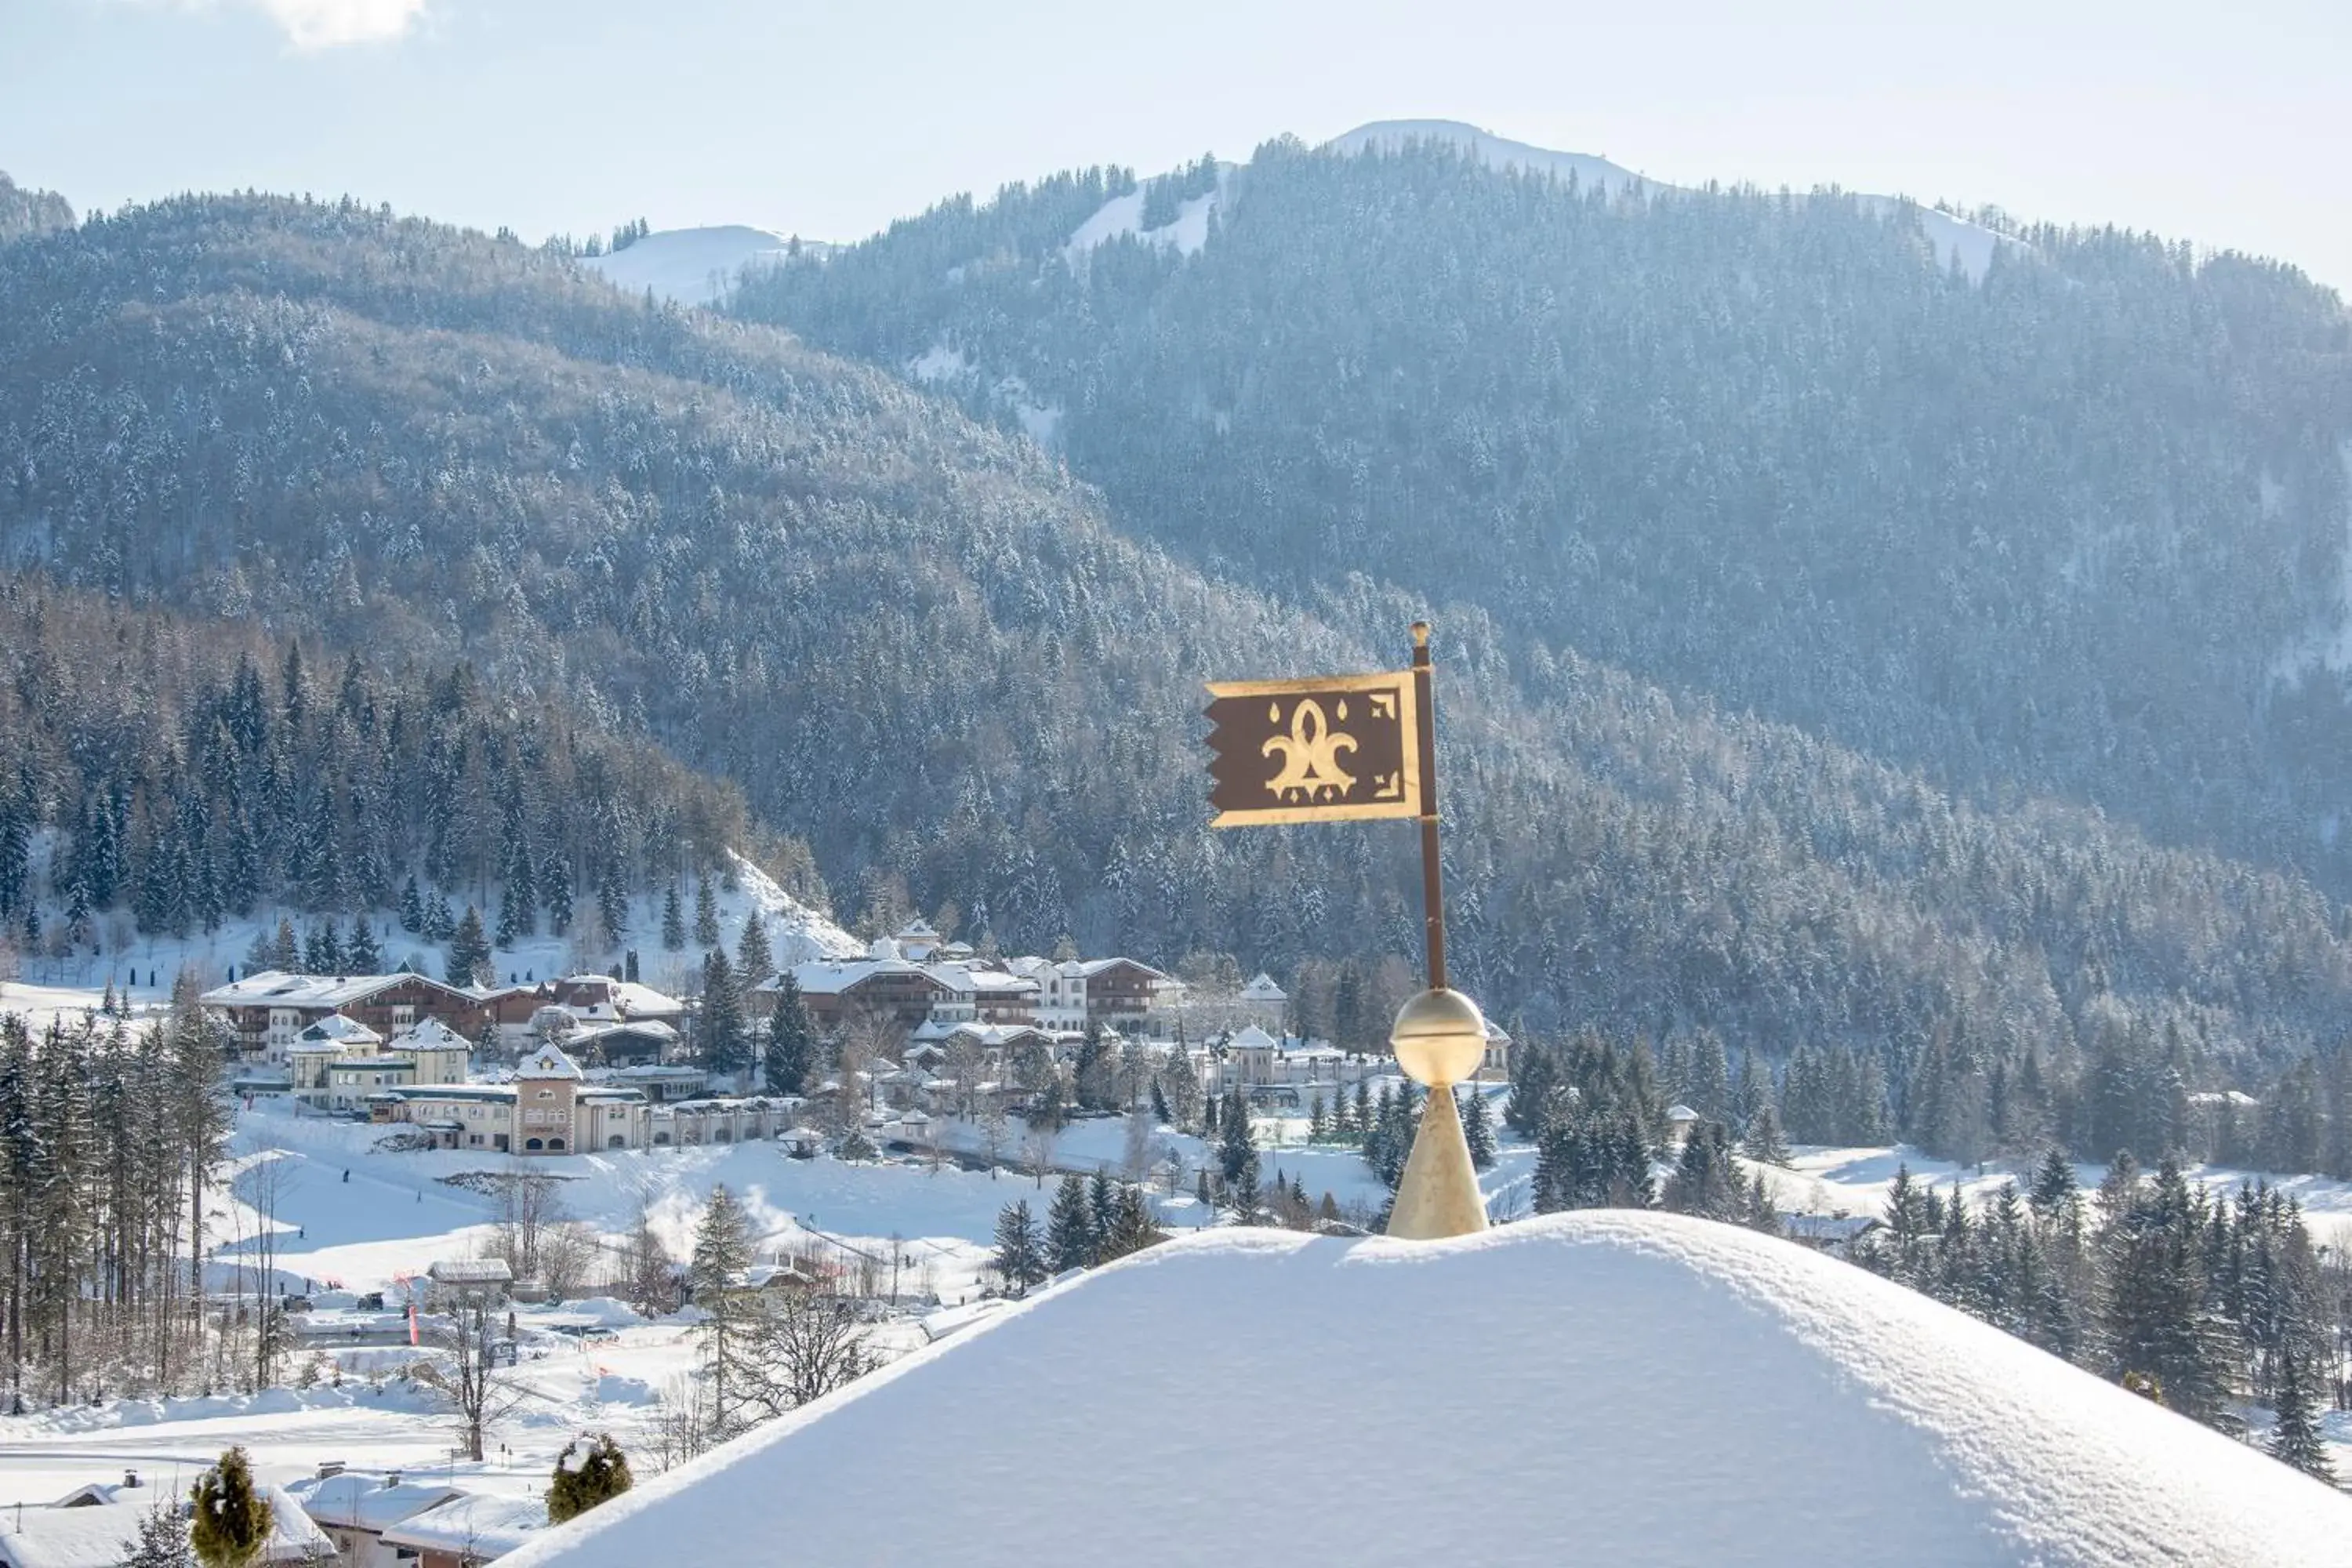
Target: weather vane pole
point(1432, 876)
point(1350, 748)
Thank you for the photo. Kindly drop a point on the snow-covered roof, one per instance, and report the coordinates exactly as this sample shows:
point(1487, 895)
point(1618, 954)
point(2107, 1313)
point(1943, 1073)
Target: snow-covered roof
point(478, 1526)
point(100, 1536)
point(644, 1002)
point(1611, 1346)
point(430, 1034)
point(277, 988)
point(548, 1062)
point(1261, 988)
point(1252, 1038)
point(470, 1271)
point(335, 1031)
point(365, 1502)
point(830, 977)
point(1680, 1112)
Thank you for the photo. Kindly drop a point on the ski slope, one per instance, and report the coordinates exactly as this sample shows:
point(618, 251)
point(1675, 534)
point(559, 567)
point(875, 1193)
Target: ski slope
point(693, 266)
point(1597, 1387)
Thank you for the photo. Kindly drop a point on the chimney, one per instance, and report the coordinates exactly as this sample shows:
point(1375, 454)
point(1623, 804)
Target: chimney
point(391, 1480)
point(131, 1480)
point(330, 1469)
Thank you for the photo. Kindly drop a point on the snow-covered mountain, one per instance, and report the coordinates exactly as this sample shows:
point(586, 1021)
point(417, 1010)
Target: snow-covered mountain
point(1948, 236)
point(1495, 151)
point(694, 266)
point(1605, 1386)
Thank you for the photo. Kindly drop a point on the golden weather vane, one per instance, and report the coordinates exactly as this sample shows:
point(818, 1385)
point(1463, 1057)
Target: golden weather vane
point(1276, 748)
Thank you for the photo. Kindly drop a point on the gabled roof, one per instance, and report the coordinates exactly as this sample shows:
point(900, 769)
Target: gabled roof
point(473, 1525)
point(335, 1029)
point(277, 988)
point(1253, 1039)
point(1261, 988)
point(548, 1062)
point(430, 1034)
point(364, 1502)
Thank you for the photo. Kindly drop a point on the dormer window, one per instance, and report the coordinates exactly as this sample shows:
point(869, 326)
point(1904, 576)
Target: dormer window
point(547, 1094)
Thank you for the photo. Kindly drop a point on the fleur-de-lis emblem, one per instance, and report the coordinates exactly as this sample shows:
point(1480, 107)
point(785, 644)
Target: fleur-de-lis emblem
point(1309, 754)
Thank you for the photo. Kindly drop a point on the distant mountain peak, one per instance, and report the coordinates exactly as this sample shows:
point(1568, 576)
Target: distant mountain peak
point(1495, 151)
point(1948, 236)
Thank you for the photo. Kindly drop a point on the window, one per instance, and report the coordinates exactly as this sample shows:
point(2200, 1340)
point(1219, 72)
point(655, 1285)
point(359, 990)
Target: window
point(547, 1094)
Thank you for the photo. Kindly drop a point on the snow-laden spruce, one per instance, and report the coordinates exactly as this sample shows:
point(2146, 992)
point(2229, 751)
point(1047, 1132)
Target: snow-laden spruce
point(1599, 1387)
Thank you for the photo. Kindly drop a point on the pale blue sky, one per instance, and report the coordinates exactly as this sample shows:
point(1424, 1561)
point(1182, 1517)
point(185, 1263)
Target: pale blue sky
point(2230, 127)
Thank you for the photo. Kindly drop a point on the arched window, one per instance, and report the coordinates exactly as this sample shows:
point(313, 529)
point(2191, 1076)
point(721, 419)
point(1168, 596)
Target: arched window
point(555, 1143)
point(530, 1143)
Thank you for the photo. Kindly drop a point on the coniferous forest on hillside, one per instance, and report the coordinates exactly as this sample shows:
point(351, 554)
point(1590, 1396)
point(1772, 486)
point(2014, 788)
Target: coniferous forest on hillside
point(1839, 656)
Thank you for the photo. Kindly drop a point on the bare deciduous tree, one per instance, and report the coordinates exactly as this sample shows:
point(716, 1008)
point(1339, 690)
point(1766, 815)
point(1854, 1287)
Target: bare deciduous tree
point(470, 1344)
point(802, 1346)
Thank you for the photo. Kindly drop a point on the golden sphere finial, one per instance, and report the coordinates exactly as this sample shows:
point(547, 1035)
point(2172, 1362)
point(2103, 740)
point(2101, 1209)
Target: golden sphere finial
point(1440, 1037)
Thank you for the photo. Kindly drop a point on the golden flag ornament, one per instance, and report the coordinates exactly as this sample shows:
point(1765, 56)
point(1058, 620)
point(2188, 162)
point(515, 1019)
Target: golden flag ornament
point(1336, 747)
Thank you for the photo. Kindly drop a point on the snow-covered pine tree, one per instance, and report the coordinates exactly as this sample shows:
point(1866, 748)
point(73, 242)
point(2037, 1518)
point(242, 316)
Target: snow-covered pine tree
point(585, 1478)
point(719, 1027)
point(673, 926)
point(2295, 1437)
point(362, 953)
point(1236, 1141)
point(162, 1541)
point(1477, 1129)
point(722, 1250)
point(1102, 1204)
point(1244, 1197)
point(755, 960)
point(1764, 1141)
point(1020, 1259)
point(791, 1042)
point(706, 913)
point(470, 952)
point(1071, 1241)
point(555, 882)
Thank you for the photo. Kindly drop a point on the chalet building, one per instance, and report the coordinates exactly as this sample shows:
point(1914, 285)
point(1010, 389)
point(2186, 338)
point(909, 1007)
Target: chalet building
point(884, 984)
point(1001, 996)
point(548, 1109)
point(552, 1107)
point(355, 1510)
point(918, 942)
point(336, 1064)
point(1263, 1002)
point(1114, 992)
point(629, 1044)
point(269, 1010)
point(520, 1011)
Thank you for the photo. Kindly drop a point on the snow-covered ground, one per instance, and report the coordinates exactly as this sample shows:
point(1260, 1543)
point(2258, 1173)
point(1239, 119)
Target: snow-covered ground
point(1604, 1386)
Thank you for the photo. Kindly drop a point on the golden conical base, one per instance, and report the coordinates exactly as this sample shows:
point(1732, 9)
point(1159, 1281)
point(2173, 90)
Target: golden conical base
point(1438, 1195)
